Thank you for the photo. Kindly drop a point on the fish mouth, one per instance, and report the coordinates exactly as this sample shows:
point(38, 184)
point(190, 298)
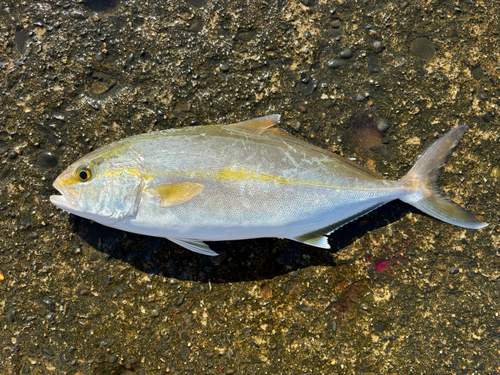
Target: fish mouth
point(68, 200)
point(63, 203)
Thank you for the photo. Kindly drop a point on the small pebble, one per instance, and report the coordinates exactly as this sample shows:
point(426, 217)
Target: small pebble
point(486, 116)
point(301, 107)
point(359, 97)
point(224, 67)
point(334, 63)
point(266, 291)
point(482, 95)
point(180, 300)
point(346, 54)
point(59, 116)
point(49, 304)
point(382, 125)
point(305, 87)
point(307, 3)
point(303, 307)
point(77, 14)
point(377, 46)
point(454, 270)
point(47, 352)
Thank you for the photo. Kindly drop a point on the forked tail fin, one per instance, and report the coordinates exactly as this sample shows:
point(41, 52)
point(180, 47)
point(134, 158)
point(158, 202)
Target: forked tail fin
point(424, 176)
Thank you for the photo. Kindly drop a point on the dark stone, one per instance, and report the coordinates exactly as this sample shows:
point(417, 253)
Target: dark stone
point(477, 73)
point(303, 307)
point(308, 3)
point(47, 160)
point(47, 352)
point(20, 38)
point(180, 300)
point(196, 3)
point(304, 88)
point(422, 48)
point(379, 326)
point(486, 116)
point(100, 5)
point(335, 63)
point(346, 54)
point(247, 35)
point(373, 64)
point(49, 304)
point(196, 25)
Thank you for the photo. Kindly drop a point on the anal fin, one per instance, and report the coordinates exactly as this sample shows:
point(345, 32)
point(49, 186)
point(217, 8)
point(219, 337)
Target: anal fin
point(313, 239)
point(318, 237)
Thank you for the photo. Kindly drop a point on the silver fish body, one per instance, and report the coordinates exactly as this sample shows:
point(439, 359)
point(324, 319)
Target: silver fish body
point(241, 181)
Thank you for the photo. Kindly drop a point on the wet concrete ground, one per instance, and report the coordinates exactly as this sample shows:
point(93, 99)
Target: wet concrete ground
point(378, 82)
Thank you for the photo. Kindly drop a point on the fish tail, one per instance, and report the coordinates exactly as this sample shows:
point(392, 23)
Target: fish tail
point(424, 177)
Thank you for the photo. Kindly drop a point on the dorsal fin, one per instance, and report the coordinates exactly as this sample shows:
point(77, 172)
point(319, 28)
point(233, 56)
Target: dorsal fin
point(262, 125)
point(258, 124)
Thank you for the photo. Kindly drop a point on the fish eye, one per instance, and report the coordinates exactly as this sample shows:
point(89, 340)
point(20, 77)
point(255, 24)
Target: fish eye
point(83, 173)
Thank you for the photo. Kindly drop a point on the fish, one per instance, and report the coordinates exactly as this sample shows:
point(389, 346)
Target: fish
point(242, 181)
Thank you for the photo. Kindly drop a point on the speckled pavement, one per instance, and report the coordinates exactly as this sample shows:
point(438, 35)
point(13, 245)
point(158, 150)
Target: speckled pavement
point(376, 82)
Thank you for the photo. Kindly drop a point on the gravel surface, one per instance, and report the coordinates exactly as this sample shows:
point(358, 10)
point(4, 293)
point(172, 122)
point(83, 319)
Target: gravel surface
point(376, 82)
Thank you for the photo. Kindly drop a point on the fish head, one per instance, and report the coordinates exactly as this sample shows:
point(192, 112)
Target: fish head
point(102, 187)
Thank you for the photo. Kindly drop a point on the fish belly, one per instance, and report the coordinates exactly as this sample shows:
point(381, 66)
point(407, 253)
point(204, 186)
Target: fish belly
point(225, 212)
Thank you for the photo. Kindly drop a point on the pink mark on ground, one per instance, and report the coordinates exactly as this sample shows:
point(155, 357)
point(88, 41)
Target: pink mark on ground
point(381, 265)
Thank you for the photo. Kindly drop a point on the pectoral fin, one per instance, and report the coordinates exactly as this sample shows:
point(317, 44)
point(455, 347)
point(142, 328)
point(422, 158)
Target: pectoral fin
point(176, 192)
point(194, 245)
